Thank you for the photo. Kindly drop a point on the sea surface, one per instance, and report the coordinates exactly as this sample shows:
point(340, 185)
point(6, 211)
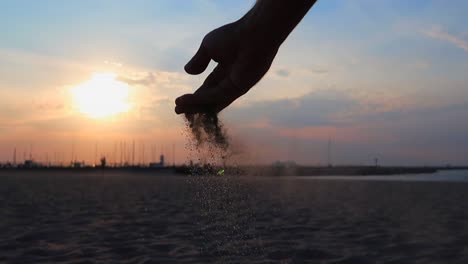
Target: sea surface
point(102, 217)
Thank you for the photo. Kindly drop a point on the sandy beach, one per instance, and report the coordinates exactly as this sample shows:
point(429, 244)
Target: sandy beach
point(128, 218)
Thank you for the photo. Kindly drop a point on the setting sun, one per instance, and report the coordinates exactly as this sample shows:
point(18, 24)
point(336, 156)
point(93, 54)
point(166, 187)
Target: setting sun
point(101, 96)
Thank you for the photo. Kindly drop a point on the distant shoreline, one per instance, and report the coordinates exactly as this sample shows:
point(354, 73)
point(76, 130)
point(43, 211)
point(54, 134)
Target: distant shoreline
point(252, 170)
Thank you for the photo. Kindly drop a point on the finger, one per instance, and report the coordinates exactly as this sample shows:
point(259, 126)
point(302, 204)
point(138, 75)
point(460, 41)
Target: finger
point(211, 81)
point(208, 99)
point(204, 94)
point(196, 99)
point(215, 77)
point(199, 62)
point(202, 101)
point(193, 109)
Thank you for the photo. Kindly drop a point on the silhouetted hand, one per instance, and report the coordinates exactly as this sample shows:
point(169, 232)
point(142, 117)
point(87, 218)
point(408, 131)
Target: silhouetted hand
point(244, 51)
point(243, 59)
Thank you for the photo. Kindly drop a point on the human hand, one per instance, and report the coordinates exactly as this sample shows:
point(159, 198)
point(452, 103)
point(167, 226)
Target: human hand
point(243, 58)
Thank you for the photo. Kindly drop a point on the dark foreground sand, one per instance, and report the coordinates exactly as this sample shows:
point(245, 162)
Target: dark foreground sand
point(124, 218)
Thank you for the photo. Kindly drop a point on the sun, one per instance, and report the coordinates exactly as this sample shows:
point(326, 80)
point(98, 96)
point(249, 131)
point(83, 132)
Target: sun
point(101, 96)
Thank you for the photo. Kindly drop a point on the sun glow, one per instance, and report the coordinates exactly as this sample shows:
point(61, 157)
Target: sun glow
point(101, 96)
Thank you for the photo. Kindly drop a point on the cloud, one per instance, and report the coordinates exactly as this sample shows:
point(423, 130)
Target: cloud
point(318, 108)
point(425, 135)
point(145, 79)
point(154, 78)
point(318, 70)
point(438, 33)
point(340, 108)
point(299, 72)
point(283, 73)
point(50, 106)
point(313, 70)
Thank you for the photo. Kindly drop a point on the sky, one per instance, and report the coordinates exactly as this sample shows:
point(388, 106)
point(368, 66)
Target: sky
point(382, 79)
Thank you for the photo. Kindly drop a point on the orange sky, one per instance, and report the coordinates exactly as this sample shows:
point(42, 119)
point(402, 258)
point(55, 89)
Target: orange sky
point(393, 87)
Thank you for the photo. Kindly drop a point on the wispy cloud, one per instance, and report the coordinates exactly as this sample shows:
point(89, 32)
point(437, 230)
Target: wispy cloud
point(317, 108)
point(149, 78)
point(283, 72)
point(440, 34)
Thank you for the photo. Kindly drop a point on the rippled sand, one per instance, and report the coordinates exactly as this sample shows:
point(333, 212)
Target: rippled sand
point(88, 218)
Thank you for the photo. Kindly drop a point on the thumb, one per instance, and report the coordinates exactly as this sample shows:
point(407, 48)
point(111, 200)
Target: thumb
point(199, 62)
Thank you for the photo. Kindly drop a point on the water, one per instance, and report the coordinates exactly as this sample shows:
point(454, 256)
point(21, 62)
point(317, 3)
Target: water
point(441, 176)
point(135, 218)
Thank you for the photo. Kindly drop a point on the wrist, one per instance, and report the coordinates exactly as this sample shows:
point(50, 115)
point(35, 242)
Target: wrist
point(271, 21)
point(258, 27)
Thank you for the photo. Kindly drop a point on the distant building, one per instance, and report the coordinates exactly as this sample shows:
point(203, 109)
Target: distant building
point(30, 164)
point(7, 165)
point(78, 165)
point(159, 164)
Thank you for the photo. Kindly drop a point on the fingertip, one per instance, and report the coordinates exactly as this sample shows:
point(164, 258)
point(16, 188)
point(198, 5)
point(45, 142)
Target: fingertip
point(178, 100)
point(194, 68)
point(198, 63)
point(181, 100)
point(178, 110)
point(189, 69)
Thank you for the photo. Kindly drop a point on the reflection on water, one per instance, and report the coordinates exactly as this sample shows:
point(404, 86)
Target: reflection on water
point(151, 219)
point(441, 176)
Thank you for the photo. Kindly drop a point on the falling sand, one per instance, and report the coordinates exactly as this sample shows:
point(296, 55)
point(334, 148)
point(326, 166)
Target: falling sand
point(206, 128)
point(209, 142)
point(212, 151)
